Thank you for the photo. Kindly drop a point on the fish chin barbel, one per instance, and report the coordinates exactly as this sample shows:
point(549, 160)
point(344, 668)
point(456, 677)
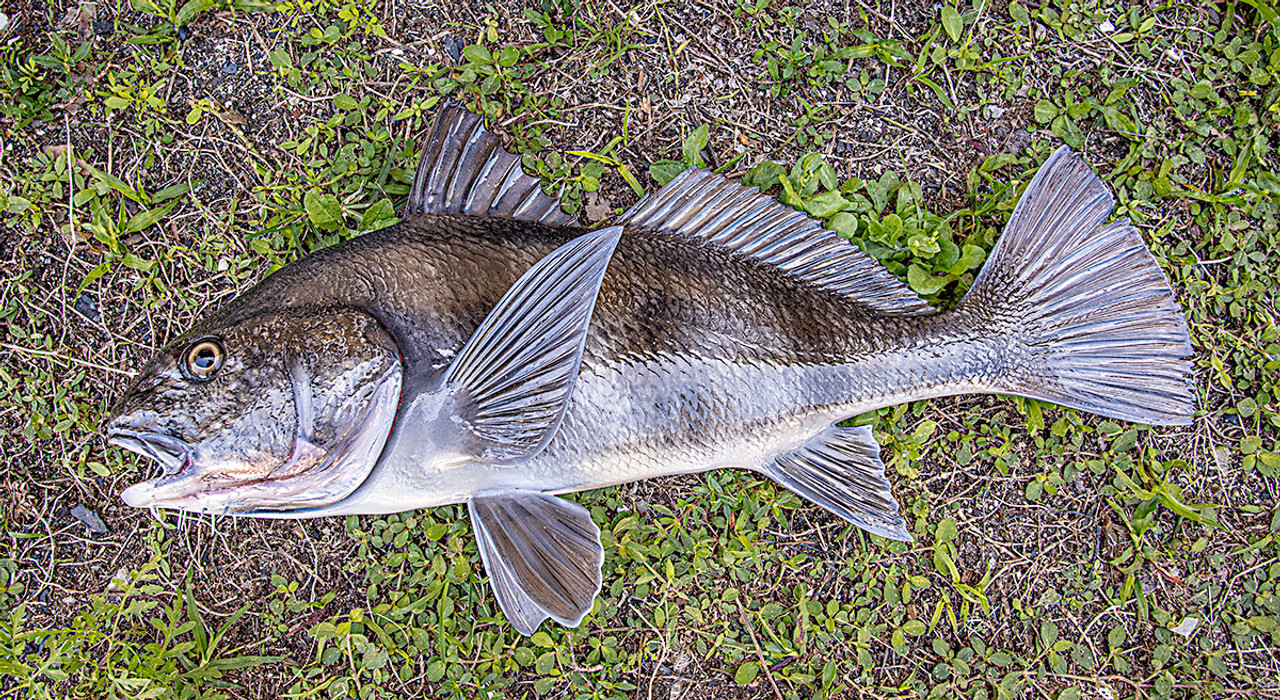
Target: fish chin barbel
point(488, 351)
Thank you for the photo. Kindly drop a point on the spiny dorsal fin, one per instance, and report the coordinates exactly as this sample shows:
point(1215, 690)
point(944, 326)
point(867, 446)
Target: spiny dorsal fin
point(840, 470)
point(543, 555)
point(465, 170)
point(708, 207)
point(518, 370)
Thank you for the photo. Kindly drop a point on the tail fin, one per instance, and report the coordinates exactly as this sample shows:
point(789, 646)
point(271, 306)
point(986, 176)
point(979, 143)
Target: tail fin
point(1100, 330)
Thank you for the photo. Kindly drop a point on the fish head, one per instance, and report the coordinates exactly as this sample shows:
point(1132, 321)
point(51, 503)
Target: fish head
point(272, 413)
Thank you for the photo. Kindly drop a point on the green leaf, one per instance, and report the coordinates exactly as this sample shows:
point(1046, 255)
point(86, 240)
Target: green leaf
point(971, 256)
point(1045, 111)
point(241, 662)
point(542, 639)
point(763, 175)
point(17, 205)
point(281, 60)
point(379, 216)
point(946, 530)
point(825, 205)
point(945, 566)
point(478, 54)
point(146, 219)
point(845, 224)
point(1034, 490)
point(923, 282)
point(915, 628)
point(324, 210)
point(746, 673)
point(190, 10)
point(345, 102)
point(952, 22)
point(1019, 14)
point(116, 184)
point(173, 191)
point(694, 144)
point(665, 171)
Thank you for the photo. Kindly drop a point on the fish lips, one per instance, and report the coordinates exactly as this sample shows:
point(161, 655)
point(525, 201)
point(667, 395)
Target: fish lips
point(173, 455)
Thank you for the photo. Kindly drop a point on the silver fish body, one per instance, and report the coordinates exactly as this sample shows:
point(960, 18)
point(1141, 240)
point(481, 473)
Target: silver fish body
point(487, 351)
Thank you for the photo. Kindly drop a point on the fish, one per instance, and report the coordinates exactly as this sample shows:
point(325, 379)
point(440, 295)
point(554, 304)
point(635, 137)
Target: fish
point(491, 351)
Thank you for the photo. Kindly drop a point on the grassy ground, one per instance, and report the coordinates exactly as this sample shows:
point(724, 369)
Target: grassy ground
point(158, 158)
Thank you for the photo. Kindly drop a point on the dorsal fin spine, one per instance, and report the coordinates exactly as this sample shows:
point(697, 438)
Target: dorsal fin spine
point(705, 206)
point(465, 170)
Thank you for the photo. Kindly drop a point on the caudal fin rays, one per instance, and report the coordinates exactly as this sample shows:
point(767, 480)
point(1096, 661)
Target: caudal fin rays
point(1099, 328)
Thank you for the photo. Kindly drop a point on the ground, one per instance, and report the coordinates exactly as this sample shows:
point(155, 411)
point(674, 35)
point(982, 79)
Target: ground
point(159, 158)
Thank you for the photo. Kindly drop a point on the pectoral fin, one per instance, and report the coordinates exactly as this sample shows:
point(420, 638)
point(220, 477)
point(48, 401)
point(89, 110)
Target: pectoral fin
point(543, 555)
point(517, 371)
point(840, 470)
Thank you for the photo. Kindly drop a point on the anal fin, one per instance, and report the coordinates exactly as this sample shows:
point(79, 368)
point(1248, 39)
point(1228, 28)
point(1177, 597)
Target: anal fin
point(840, 470)
point(543, 555)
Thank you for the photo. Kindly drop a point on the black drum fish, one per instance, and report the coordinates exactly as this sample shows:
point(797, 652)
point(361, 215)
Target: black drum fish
point(488, 351)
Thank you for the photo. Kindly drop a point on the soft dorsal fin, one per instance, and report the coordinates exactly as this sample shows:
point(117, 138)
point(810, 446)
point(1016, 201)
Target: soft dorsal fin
point(840, 470)
point(543, 555)
point(517, 371)
point(708, 207)
point(465, 170)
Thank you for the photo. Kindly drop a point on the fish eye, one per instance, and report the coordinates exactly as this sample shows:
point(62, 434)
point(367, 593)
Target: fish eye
point(203, 359)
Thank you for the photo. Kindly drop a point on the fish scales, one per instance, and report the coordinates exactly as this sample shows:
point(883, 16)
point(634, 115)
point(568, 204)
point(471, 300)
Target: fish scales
point(488, 351)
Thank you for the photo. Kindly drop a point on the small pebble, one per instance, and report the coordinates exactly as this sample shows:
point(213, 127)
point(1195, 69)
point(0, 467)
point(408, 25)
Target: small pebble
point(183, 33)
point(4, 21)
point(1187, 627)
point(87, 307)
point(90, 519)
point(454, 47)
point(230, 67)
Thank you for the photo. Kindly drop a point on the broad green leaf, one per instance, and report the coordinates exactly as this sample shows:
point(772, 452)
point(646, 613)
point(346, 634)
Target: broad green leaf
point(947, 530)
point(952, 22)
point(324, 210)
point(694, 144)
point(190, 10)
point(478, 54)
point(825, 205)
point(665, 171)
point(379, 216)
point(923, 282)
point(763, 174)
point(1045, 111)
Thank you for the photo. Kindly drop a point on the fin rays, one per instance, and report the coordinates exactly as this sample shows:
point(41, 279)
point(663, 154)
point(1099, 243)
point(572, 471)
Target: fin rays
point(706, 206)
point(465, 170)
point(840, 470)
point(1093, 309)
point(543, 555)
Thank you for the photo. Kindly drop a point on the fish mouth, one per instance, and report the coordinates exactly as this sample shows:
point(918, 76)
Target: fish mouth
point(173, 455)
